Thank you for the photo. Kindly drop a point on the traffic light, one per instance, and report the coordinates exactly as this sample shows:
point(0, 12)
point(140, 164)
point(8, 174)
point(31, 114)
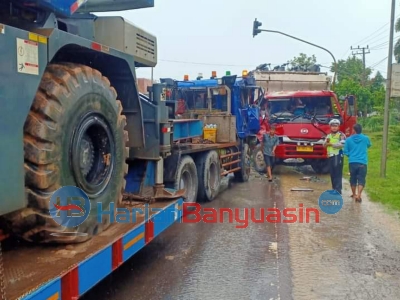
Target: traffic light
point(256, 24)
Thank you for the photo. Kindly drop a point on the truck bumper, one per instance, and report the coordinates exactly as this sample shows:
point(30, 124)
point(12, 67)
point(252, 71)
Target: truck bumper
point(291, 150)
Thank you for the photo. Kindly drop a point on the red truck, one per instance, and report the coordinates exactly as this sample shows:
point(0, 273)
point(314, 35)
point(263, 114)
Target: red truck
point(300, 105)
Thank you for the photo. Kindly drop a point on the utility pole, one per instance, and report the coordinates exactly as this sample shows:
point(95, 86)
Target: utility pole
point(388, 90)
point(364, 79)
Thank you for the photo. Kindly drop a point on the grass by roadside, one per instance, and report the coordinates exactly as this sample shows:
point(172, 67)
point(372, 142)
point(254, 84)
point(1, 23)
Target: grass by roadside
point(384, 190)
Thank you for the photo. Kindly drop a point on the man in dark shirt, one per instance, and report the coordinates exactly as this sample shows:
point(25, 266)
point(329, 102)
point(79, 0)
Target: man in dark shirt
point(268, 144)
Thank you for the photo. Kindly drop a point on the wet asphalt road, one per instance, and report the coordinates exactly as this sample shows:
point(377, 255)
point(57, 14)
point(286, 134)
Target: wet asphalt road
point(210, 261)
point(352, 255)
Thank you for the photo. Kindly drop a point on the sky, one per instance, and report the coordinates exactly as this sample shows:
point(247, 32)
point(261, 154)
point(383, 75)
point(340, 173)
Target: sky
point(216, 35)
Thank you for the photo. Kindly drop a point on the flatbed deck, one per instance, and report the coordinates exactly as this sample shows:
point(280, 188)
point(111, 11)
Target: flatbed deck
point(69, 271)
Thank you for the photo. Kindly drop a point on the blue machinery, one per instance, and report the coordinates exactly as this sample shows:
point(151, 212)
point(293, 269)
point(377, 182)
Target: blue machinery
point(187, 128)
point(241, 100)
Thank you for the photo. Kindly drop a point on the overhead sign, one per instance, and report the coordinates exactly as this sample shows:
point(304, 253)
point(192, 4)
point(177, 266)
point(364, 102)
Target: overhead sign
point(395, 84)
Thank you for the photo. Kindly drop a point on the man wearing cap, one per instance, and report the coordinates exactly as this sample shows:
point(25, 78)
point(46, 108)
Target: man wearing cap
point(334, 143)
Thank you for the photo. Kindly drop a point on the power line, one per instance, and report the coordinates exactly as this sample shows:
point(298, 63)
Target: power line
point(205, 64)
point(377, 38)
point(370, 36)
point(380, 46)
point(377, 63)
point(384, 38)
point(364, 40)
point(223, 65)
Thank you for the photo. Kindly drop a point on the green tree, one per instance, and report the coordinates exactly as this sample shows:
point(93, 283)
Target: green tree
point(377, 83)
point(396, 49)
point(348, 86)
point(378, 91)
point(351, 68)
point(303, 61)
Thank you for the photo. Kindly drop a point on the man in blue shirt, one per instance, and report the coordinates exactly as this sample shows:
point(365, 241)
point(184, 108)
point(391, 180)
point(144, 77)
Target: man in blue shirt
point(268, 145)
point(356, 148)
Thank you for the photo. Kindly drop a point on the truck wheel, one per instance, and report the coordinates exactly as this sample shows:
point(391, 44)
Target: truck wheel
point(209, 174)
point(258, 159)
point(244, 173)
point(186, 178)
point(73, 136)
point(321, 167)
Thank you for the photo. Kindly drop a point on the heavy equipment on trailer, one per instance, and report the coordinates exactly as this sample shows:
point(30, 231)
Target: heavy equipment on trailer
point(300, 105)
point(78, 119)
point(227, 105)
point(71, 115)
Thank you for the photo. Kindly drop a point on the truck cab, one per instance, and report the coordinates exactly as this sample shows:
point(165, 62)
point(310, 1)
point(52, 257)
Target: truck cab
point(301, 117)
point(228, 95)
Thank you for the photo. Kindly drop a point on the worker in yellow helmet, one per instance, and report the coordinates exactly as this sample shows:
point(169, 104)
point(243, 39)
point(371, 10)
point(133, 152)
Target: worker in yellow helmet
point(334, 143)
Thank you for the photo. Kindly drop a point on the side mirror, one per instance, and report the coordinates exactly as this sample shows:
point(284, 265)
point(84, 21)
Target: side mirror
point(350, 99)
point(348, 108)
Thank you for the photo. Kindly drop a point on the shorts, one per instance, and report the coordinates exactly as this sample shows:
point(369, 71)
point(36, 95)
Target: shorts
point(358, 174)
point(269, 160)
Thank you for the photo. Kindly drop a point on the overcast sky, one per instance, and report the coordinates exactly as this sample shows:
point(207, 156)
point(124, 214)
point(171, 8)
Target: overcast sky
point(205, 35)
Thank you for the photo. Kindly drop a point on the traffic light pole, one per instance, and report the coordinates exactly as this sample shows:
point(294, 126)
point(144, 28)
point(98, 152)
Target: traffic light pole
point(334, 59)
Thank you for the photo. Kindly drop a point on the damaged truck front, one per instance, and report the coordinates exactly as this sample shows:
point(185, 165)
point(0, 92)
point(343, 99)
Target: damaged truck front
point(301, 105)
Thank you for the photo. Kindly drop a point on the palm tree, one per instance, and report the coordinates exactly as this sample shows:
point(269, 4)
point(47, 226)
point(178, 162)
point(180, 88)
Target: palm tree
point(397, 45)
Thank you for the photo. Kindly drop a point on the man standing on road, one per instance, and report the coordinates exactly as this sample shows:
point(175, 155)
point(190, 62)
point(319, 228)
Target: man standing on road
point(356, 148)
point(268, 144)
point(334, 143)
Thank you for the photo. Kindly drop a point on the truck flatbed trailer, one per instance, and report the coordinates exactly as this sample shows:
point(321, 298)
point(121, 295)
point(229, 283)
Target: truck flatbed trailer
point(67, 272)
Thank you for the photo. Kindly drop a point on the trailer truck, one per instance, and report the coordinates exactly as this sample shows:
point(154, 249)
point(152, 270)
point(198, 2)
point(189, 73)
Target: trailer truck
point(300, 105)
point(227, 105)
point(72, 116)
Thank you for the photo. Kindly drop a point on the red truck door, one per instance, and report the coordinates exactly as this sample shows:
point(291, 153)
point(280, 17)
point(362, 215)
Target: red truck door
point(349, 114)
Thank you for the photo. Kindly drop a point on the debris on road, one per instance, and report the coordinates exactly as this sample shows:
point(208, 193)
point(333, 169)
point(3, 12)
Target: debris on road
point(301, 190)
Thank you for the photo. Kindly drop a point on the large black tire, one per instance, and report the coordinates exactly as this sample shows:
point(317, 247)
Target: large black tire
point(70, 97)
point(209, 175)
point(186, 178)
point(321, 167)
point(243, 174)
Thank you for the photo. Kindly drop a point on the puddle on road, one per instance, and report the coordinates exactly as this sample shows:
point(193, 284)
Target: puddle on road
point(354, 254)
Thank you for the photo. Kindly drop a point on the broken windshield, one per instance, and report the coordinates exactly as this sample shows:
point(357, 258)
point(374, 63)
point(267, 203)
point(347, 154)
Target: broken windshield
point(300, 108)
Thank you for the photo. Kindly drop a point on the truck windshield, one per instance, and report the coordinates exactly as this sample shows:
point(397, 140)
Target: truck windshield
point(293, 107)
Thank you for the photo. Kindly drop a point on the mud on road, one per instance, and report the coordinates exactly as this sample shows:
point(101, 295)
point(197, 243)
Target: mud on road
point(354, 254)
